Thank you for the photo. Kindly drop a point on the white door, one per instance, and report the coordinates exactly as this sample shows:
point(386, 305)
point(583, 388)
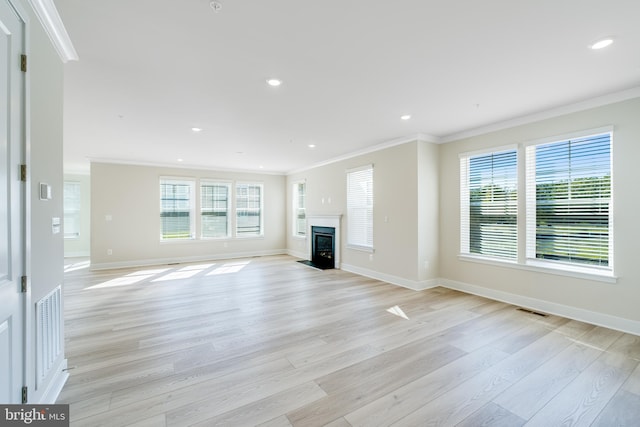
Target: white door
point(12, 205)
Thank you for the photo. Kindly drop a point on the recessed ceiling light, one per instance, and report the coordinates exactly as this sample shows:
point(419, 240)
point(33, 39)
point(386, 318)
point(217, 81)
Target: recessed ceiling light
point(311, 145)
point(181, 160)
point(601, 44)
point(196, 129)
point(274, 82)
point(406, 117)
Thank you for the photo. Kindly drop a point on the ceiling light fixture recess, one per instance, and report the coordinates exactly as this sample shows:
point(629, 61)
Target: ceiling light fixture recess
point(405, 117)
point(602, 43)
point(274, 82)
point(311, 145)
point(196, 129)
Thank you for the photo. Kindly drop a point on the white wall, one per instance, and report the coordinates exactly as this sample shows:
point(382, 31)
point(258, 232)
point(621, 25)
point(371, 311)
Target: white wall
point(615, 305)
point(81, 246)
point(44, 163)
point(405, 234)
point(130, 195)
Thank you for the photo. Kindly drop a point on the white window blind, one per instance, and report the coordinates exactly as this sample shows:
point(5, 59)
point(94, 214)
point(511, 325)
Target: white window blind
point(569, 201)
point(360, 207)
point(71, 209)
point(176, 209)
point(214, 209)
point(489, 204)
point(299, 212)
point(249, 210)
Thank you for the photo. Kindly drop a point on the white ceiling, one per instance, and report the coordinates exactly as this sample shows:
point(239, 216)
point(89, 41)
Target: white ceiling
point(149, 71)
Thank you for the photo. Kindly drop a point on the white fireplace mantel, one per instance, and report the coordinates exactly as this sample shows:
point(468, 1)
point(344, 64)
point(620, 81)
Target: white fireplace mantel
point(325, 220)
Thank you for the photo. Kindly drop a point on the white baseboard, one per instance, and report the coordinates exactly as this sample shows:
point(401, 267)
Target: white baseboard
point(395, 280)
point(179, 260)
point(50, 395)
point(297, 254)
point(76, 254)
point(575, 313)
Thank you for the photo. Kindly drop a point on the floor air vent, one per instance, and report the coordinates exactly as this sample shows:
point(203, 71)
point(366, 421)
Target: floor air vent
point(526, 310)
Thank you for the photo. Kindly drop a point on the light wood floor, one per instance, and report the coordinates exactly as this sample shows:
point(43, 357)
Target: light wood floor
point(268, 341)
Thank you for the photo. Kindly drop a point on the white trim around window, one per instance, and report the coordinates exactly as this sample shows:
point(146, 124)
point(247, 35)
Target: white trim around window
point(215, 209)
point(569, 194)
point(249, 207)
point(177, 208)
point(360, 208)
point(298, 209)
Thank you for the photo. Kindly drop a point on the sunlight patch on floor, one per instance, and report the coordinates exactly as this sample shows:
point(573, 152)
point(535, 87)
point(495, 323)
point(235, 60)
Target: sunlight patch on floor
point(232, 267)
point(155, 275)
point(77, 266)
point(397, 311)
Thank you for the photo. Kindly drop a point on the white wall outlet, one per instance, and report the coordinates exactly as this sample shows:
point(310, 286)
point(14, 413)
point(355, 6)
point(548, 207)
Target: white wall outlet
point(108, 217)
point(109, 252)
point(55, 225)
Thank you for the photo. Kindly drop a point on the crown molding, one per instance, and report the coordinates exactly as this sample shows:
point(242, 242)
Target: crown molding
point(420, 137)
point(181, 166)
point(599, 101)
point(50, 19)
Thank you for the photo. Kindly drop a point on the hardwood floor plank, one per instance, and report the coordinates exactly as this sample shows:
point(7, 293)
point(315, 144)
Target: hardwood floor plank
point(623, 410)
point(523, 362)
point(535, 390)
point(263, 410)
point(281, 421)
point(581, 401)
point(492, 415)
point(632, 384)
point(351, 388)
point(340, 422)
point(268, 341)
point(393, 406)
point(457, 404)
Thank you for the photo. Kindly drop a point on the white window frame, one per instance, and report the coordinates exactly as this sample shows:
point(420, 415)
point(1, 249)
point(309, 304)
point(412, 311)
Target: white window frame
point(360, 208)
point(229, 210)
point(238, 209)
point(298, 208)
point(191, 182)
point(72, 213)
point(465, 205)
point(526, 192)
point(531, 242)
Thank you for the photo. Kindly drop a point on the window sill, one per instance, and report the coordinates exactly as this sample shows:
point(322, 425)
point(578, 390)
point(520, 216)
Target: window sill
point(546, 267)
point(204, 240)
point(297, 237)
point(367, 249)
point(174, 241)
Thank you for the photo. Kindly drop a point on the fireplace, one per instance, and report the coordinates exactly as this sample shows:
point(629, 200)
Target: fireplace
point(323, 247)
point(323, 241)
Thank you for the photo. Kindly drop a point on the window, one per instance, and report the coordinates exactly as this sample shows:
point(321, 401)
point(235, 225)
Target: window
point(569, 201)
point(249, 210)
point(71, 210)
point(299, 214)
point(214, 209)
point(360, 207)
point(176, 209)
point(489, 204)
